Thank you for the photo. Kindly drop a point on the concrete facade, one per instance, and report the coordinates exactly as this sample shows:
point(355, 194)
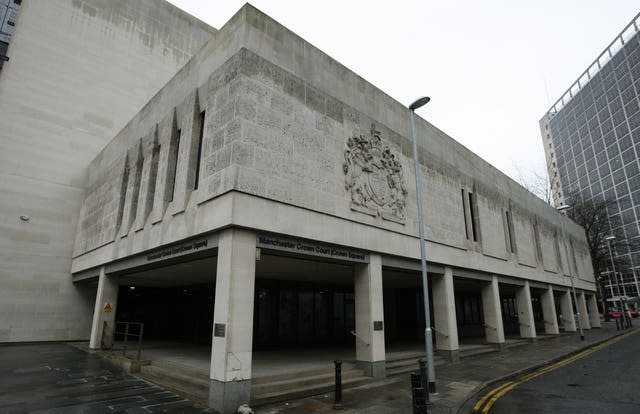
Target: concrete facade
point(78, 71)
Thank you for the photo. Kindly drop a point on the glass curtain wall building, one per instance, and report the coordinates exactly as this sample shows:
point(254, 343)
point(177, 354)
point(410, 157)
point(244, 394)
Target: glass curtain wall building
point(591, 138)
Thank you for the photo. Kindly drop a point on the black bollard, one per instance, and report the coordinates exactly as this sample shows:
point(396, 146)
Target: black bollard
point(418, 395)
point(617, 324)
point(338, 397)
point(423, 377)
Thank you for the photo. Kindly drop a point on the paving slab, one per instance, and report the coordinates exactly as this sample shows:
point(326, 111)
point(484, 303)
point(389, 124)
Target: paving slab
point(456, 381)
point(59, 378)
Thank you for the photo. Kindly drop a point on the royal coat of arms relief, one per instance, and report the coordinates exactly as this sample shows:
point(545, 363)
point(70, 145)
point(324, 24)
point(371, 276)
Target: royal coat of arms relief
point(374, 178)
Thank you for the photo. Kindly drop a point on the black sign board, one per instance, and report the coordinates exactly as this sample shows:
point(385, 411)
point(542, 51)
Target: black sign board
point(219, 330)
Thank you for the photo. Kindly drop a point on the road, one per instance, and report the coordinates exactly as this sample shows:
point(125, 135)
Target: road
point(605, 379)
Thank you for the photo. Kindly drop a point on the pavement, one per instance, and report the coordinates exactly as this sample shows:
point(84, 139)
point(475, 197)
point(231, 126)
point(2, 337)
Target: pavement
point(456, 382)
point(60, 378)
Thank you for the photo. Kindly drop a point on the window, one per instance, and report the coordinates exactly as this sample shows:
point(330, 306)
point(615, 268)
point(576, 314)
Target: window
point(473, 209)
point(464, 215)
point(200, 137)
point(536, 240)
point(510, 236)
point(175, 154)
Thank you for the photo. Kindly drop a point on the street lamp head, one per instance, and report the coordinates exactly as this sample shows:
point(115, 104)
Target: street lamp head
point(420, 102)
point(609, 238)
point(563, 207)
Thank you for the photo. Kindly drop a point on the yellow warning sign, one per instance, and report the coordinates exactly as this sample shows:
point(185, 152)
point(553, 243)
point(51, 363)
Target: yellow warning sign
point(107, 308)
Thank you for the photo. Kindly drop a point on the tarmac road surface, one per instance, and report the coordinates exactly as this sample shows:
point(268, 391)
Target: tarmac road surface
point(603, 379)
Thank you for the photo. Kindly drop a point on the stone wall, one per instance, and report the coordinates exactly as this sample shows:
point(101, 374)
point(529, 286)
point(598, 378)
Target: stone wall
point(78, 71)
point(274, 136)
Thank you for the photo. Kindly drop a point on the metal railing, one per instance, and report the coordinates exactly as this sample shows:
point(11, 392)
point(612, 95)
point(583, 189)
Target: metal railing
point(360, 338)
point(128, 330)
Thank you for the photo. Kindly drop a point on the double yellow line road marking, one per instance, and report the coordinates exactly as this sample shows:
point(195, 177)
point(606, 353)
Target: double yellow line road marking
point(489, 399)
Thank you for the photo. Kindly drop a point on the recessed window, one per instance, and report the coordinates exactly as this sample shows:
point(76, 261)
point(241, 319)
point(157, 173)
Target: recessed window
point(200, 137)
point(464, 215)
point(473, 210)
point(176, 155)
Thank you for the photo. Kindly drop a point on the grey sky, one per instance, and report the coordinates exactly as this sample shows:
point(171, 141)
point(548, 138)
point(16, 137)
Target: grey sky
point(492, 68)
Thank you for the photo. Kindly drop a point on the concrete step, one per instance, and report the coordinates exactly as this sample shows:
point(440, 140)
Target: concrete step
point(329, 369)
point(401, 370)
point(182, 368)
point(301, 380)
point(306, 391)
point(193, 387)
point(399, 364)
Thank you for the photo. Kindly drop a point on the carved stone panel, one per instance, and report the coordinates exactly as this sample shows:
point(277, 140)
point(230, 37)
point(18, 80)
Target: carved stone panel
point(374, 177)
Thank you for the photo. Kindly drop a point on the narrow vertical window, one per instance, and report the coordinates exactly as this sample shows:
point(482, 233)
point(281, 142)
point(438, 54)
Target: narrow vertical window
point(200, 137)
point(556, 246)
point(474, 211)
point(536, 240)
point(510, 234)
point(464, 215)
point(176, 155)
point(573, 258)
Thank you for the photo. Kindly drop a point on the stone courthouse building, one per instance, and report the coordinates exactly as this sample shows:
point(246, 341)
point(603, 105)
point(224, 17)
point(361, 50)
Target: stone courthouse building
point(264, 198)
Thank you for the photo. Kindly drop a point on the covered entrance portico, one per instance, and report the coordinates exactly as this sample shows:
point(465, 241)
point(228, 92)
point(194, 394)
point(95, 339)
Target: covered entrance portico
point(259, 293)
point(257, 302)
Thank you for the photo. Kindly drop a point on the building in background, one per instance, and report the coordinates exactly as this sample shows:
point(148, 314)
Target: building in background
point(8, 12)
point(591, 138)
point(77, 71)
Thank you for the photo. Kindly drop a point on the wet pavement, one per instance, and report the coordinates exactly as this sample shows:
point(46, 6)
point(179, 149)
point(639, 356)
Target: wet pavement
point(457, 382)
point(59, 378)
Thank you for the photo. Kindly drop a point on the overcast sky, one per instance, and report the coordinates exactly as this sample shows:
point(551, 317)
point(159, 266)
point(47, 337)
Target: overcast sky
point(492, 68)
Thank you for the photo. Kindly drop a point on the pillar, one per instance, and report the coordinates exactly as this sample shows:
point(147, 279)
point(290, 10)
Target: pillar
point(549, 312)
point(567, 312)
point(444, 315)
point(582, 311)
point(230, 373)
point(592, 307)
point(525, 312)
point(493, 328)
point(370, 352)
point(104, 312)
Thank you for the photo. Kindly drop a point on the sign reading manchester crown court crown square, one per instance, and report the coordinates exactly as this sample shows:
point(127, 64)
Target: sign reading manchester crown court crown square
point(311, 248)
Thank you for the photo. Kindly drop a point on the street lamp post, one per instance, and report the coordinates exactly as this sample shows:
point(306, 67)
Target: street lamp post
point(613, 267)
point(561, 208)
point(431, 375)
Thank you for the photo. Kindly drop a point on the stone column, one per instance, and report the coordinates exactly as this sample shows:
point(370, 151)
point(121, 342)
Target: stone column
point(104, 312)
point(525, 312)
point(493, 328)
point(582, 309)
point(567, 312)
point(370, 353)
point(594, 315)
point(549, 312)
point(444, 314)
point(230, 374)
